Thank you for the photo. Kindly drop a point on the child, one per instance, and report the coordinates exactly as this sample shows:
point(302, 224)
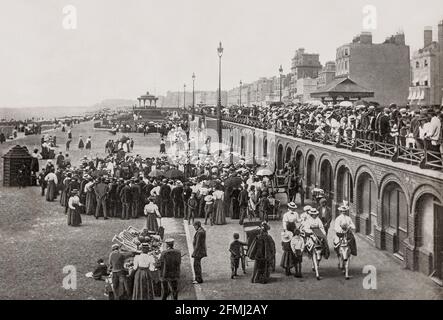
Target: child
point(209, 208)
point(236, 250)
point(287, 259)
point(100, 270)
point(192, 204)
point(297, 246)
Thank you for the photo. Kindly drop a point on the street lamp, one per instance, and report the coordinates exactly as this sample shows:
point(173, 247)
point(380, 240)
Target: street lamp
point(281, 74)
point(240, 92)
point(184, 96)
point(193, 95)
point(219, 126)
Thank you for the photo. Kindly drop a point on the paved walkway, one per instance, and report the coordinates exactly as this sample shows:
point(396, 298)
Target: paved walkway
point(393, 282)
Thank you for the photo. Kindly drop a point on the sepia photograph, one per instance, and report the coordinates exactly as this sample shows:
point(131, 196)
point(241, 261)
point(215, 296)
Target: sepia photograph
point(243, 151)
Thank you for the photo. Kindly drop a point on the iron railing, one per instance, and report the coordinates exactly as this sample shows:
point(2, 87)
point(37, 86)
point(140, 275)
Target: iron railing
point(357, 142)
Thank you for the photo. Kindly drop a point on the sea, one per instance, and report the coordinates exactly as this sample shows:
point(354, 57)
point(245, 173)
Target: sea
point(42, 113)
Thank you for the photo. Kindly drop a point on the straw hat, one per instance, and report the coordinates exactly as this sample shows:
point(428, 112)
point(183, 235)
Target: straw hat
point(307, 208)
point(313, 211)
point(292, 206)
point(286, 236)
point(343, 208)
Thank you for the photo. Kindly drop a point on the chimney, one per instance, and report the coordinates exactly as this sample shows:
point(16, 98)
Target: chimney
point(440, 34)
point(366, 38)
point(427, 36)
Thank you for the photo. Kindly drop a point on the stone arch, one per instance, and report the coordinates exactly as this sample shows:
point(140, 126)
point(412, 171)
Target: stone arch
point(424, 189)
point(280, 156)
point(365, 169)
point(242, 145)
point(344, 183)
point(288, 152)
point(395, 214)
point(300, 161)
point(265, 152)
point(387, 179)
point(326, 181)
point(311, 173)
point(426, 230)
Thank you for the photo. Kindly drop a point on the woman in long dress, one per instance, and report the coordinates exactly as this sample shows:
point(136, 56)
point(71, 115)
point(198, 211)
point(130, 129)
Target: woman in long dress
point(152, 213)
point(143, 283)
point(220, 217)
point(74, 217)
point(235, 205)
point(51, 180)
point(81, 144)
point(88, 143)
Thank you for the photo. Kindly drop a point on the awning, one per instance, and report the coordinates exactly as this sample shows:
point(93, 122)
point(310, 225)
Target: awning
point(414, 96)
point(410, 95)
point(421, 96)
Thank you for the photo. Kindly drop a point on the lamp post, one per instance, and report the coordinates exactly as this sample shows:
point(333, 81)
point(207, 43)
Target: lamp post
point(184, 96)
point(219, 124)
point(240, 93)
point(193, 94)
point(281, 74)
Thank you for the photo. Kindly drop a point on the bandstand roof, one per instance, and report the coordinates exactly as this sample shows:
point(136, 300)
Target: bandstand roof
point(342, 87)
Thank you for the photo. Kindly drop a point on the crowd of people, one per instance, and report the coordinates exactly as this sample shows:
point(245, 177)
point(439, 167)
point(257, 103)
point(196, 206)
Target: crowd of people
point(415, 129)
point(202, 191)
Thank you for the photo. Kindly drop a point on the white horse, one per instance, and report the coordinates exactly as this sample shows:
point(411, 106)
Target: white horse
point(314, 248)
point(344, 254)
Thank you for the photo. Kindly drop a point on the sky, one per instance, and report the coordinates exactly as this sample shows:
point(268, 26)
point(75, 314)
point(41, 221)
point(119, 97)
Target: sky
point(121, 49)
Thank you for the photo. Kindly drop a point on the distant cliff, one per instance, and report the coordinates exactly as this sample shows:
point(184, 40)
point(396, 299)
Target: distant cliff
point(114, 103)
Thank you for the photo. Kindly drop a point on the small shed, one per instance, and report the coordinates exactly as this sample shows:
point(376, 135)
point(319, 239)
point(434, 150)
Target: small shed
point(13, 160)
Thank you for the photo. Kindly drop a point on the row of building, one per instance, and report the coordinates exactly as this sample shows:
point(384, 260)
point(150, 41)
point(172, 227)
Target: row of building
point(387, 69)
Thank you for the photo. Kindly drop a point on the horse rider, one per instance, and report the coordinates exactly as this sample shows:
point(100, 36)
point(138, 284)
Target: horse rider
point(291, 219)
point(343, 225)
point(314, 225)
point(305, 214)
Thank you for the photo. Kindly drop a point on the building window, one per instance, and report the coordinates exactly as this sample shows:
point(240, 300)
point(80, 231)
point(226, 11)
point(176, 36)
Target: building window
point(417, 64)
point(346, 52)
point(346, 65)
point(417, 83)
point(426, 83)
point(426, 63)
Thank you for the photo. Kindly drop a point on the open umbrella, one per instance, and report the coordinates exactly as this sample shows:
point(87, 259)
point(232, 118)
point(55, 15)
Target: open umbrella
point(174, 174)
point(156, 173)
point(264, 172)
point(346, 104)
point(233, 182)
point(99, 173)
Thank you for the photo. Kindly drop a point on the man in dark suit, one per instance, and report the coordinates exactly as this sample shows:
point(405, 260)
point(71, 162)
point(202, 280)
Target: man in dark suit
point(384, 126)
point(170, 261)
point(126, 199)
point(177, 199)
point(136, 197)
point(101, 194)
point(187, 191)
point(325, 214)
point(165, 198)
point(243, 199)
point(199, 245)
